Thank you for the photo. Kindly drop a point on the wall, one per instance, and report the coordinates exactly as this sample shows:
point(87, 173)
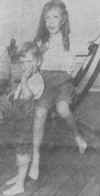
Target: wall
point(19, 19)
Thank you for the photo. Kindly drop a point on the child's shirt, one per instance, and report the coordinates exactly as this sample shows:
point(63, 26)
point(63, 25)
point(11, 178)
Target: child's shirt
point(27, 63)
point(56, 58)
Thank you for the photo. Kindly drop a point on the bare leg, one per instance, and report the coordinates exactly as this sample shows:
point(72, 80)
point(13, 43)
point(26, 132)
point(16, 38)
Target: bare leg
point(38, 132)
point(64, 112)
point(12, 180)
point(18, 181)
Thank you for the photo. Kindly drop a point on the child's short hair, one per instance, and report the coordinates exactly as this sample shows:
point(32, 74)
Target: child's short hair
point(33, 48)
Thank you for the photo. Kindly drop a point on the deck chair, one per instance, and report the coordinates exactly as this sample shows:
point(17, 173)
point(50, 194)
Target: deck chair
point(84, 76)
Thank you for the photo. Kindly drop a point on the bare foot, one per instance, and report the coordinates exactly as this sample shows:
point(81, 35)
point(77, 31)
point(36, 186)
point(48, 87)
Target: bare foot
point(35, 173)
point(81, 144)
point(13, 190)
point(34, 170)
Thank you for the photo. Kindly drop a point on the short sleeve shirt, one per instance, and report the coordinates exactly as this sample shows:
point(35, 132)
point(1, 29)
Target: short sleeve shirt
point(56, 58)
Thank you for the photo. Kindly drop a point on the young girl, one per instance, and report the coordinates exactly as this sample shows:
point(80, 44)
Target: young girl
point(53, 39)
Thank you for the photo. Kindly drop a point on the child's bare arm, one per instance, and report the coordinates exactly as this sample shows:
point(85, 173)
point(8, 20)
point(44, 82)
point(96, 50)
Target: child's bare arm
point(31, 69)
point(27, 72)
point(18, 91)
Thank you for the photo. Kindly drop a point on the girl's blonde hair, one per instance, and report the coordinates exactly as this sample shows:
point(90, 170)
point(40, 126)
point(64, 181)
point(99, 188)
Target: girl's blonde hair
point(42, 32)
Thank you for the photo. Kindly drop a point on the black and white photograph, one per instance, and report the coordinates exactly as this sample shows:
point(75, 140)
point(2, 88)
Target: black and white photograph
point(49, 98)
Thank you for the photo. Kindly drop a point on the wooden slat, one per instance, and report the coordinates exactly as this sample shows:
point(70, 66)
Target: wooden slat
point(89, 77)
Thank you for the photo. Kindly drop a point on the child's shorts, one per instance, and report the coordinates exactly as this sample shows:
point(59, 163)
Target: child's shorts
point(58, 87)
point(23, 122)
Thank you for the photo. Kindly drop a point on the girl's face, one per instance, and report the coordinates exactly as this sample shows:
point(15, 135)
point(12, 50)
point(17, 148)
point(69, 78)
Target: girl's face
point(53, 20)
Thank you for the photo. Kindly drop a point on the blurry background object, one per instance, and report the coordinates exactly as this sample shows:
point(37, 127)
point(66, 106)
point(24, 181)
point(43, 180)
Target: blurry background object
point(12, 50)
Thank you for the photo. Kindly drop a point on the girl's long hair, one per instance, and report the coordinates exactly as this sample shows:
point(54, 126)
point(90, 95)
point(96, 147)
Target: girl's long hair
point(42, 32)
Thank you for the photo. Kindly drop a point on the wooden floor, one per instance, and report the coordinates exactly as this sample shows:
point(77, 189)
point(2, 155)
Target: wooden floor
point(63, 171)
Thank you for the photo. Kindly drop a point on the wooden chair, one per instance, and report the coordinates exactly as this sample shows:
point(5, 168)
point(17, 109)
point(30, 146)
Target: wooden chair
point(84, 76)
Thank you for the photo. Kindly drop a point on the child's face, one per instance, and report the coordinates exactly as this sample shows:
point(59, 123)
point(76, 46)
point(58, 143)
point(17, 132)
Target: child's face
point(27, 57)
point(53, 20)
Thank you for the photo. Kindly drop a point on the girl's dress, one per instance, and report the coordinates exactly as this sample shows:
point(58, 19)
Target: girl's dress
point(56, 72)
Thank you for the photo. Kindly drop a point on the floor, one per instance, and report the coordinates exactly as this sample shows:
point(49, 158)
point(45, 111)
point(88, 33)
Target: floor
point(63, 171)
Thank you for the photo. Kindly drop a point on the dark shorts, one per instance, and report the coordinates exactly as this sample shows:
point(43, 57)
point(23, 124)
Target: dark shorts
point(58, 87)
point(23, 121)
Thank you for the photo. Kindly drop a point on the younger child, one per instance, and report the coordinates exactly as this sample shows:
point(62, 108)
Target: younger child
point(31, 83)
point(31, 87)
